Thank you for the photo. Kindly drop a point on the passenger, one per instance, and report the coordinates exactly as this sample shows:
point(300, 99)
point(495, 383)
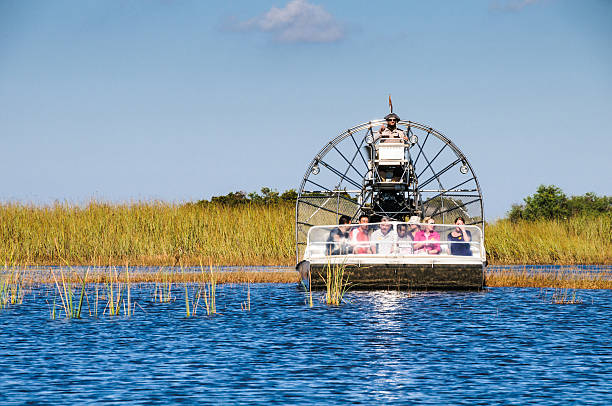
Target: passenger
point(384, 239)
point(338, 241)
point(460, 234)
point(391, 133)
point(404, 240)
point(413, 222)
point(360, 236)
point(430, 236)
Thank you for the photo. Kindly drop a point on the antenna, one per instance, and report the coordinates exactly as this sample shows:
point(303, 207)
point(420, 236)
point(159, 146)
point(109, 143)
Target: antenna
point(390, 104)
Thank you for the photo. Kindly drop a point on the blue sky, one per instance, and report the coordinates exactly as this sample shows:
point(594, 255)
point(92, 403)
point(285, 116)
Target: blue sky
point(183, 100)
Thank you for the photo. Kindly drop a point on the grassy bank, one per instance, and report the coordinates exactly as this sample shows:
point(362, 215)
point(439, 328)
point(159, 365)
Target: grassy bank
point(147, 234)
point(18, 279)
point(577, 240)
point(158, 233)
point(104, 275)
point(566, 279)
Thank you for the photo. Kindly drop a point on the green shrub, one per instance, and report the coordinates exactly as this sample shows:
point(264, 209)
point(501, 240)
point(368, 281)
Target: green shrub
point(550, 203)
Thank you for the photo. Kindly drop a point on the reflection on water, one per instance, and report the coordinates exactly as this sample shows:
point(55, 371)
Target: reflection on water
point(498, 346)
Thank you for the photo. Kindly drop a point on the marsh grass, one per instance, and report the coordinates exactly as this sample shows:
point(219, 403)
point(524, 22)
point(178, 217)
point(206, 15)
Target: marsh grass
point(118, 294)
point(12, 286)
point(568, 279)
point(577, 240)
point(336, 284)
point(113, 294)
point(191, 306)
point(67, 292)
point(152, 233)
point(209, 291)
point(565, 296)
point(247, 305)
point(163, 285)
point(559, 296)
point(164, 234)
point(310, 304)
point(165, 280)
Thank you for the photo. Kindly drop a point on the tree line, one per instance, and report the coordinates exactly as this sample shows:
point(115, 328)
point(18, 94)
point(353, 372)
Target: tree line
point(267, 196)
point(550, 203)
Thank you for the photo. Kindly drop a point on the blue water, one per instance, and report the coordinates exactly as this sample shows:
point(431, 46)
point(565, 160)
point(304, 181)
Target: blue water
point(502, 345)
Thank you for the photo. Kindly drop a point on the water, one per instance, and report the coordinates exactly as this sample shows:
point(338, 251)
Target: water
point(498, 346)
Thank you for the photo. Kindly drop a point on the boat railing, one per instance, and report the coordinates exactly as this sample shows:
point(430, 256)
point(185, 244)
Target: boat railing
point(395, 240)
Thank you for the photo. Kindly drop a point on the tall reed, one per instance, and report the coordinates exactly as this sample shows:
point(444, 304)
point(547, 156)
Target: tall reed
point(310, 304)
point(153, 233)
point(116, 292)
point(163, 285)
point(336, 284)
point(247, 305)
point(552, 279)
point(565, 296)
point(577, 240)
point(11, 286)
point(158, 233)
point(67, 293)
point(210, 291)
point(191, 310)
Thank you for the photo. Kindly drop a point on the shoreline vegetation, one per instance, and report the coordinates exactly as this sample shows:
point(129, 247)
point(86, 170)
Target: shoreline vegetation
point(115, 291)
point(250, 230)
point(14, 279)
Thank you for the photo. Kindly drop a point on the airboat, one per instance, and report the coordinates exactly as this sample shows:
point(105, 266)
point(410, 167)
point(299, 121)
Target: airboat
point(396, 184)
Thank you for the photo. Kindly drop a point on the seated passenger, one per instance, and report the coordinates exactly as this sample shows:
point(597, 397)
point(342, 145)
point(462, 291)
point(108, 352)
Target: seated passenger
point(404, 240)
point(413, 223)
point(383, 240)
point(338, 241)
point(460, 234)
point(360, 236)
point(431, 238)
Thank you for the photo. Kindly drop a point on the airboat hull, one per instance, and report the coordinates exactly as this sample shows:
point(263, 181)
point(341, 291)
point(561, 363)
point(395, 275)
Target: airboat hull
point(413, 276)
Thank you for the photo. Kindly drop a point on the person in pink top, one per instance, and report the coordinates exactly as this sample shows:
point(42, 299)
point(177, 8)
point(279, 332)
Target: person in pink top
point(431, 238)
point(360, 236)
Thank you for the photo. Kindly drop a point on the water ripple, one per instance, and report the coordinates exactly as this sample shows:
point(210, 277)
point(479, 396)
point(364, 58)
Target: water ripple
point(498, 346)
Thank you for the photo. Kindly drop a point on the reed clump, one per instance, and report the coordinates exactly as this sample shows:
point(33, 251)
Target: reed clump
point(559, 280)
point(336, 284)
point(206, 289)
point(68, 293)
point(147, 233)
point(576, 240)
point(119, 293)
point(565, 296)
point(12, 286)
point(72, 289)
point(247, 305)
point(164, 280)
point(163, 285)
point(192, 300)
point(209, 291)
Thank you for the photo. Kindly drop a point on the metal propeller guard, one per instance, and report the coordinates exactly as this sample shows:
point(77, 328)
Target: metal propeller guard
point(358, 172)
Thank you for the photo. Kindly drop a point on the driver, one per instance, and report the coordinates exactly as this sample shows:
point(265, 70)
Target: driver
point(391, 133)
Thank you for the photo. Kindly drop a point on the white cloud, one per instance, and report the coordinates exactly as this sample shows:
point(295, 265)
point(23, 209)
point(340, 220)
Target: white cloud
point(298, 21)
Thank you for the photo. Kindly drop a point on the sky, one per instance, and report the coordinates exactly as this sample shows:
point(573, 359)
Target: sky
point(122, 101)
